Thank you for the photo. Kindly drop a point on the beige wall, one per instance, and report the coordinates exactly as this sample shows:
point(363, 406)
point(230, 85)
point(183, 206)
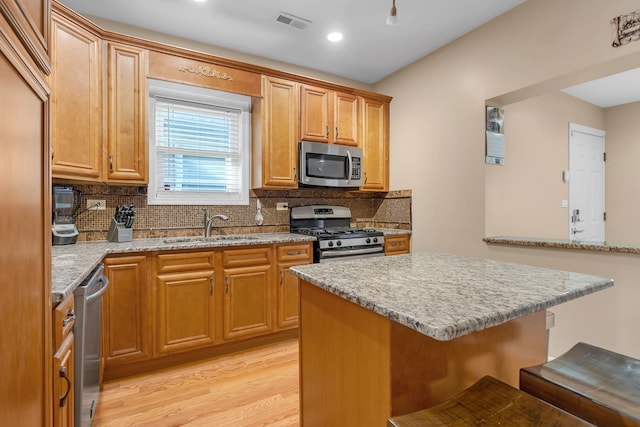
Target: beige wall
point(523, 197)
point(437, 148)
point(622, 185)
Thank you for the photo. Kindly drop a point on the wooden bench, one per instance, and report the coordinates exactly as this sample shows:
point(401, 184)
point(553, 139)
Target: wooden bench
point(594, 384)
point(489, 402)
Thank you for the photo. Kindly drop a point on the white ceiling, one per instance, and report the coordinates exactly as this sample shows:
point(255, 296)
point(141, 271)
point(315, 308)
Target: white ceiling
point(370, 50)
point(610, 91)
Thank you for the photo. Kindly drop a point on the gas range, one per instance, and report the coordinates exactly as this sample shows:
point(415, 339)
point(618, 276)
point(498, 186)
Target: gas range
point(336, 239)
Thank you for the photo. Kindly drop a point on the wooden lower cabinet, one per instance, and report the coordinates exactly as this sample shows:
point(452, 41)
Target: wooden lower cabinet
point(126, 313)
point(396, 245)
point(63, 370)
point(287, 284)
point(185, 308)
point(172, 306)
point(248, 306)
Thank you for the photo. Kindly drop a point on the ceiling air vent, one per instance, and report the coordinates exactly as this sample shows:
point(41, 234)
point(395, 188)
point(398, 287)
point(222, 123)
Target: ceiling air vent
point(293, 21)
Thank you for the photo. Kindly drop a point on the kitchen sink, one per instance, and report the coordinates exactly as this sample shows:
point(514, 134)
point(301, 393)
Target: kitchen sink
point(232, 237)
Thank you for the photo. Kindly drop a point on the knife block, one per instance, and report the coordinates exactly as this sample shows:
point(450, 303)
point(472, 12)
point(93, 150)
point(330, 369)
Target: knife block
point(119, 233)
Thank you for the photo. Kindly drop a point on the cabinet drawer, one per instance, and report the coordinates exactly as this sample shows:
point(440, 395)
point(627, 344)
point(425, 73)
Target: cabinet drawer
point(172, 263)
point(246, 257)
point(63, 319)
point(294, 252)
point(396, 245)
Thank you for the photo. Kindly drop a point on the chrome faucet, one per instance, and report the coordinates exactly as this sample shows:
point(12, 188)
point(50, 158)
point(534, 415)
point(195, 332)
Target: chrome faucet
point(208, 221)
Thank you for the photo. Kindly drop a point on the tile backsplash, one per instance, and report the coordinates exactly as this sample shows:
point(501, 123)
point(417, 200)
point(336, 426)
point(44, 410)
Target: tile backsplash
point(387, 210)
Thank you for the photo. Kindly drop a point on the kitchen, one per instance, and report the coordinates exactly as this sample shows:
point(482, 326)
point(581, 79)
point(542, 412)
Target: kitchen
point(445, 150)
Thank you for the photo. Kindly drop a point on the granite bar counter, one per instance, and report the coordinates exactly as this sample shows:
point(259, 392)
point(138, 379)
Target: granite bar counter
point(389, 336)
point(584, 245)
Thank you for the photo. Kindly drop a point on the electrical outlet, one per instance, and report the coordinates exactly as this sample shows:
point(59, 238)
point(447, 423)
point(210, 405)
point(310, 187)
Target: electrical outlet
point(282, 206)
point(96, 205)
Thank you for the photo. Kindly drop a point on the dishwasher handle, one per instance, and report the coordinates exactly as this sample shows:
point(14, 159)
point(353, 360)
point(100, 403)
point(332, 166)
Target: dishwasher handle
point(102, 290)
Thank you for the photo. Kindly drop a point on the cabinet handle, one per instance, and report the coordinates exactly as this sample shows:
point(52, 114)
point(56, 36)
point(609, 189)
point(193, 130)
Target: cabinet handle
point(336, 132)
point(396, 243)
point(64, 376)
point(293, 252)
point(110, 162)
point(295, 174)
point(226, 281)
point(327, 131)
point(365, 177)
point(71, 316)
point(211, 285)
point(281, 276)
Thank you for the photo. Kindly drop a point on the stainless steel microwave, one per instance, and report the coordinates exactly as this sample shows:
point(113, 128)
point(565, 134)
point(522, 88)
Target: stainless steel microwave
point(329, 165)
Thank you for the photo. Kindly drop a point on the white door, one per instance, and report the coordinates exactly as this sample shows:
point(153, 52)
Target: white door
point(586, 183)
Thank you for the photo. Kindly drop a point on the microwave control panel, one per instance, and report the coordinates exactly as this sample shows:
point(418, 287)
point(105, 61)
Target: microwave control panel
point(356, 172)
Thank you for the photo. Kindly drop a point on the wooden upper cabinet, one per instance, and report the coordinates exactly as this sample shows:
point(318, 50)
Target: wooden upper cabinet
point(375, 144)
point(275, 156)
point(76, 101)
point(345, 119)
point(315, 110)
point(328, 116)
point(126, 152)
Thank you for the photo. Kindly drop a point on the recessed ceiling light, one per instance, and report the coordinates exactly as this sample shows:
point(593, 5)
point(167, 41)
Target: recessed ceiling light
point(199, 1)
point(334, 37)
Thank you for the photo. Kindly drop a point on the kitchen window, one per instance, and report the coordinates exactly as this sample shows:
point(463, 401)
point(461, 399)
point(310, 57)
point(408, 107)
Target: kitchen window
point(199, 145)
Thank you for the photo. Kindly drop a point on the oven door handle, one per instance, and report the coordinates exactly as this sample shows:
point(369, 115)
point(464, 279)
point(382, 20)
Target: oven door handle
point(347, 252)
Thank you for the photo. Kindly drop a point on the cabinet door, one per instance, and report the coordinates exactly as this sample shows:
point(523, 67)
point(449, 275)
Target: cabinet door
point(248, 290)
point(396, 245)
point(315, 114)
point(185, 311)
point(288, 284)
point(126, 159)
point(76, 102)
point(247, 302)
point(126, 312)
point(375, 145)
point(63, 384)
point(280, 124)
point(345, 119)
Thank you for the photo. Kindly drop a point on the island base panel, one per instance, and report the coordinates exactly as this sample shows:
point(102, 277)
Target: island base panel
point(344, 362)
point(426, 372)
point(360, 368)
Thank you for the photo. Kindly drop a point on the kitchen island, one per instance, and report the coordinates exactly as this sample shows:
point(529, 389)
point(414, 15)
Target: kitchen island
point(381, 337)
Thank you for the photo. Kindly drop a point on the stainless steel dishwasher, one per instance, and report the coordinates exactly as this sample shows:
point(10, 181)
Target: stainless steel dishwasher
point(87, 329)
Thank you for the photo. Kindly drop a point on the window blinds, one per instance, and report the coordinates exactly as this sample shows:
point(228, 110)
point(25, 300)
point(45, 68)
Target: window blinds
point(198, 147)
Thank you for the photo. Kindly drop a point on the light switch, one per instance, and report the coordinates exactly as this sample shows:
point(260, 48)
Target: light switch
point(564, 203)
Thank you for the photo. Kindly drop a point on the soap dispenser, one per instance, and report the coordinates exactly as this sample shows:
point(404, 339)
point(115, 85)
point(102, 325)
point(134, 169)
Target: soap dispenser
point(259, 217)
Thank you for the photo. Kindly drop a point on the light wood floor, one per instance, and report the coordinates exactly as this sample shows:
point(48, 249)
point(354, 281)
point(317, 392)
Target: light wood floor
point(257, 387)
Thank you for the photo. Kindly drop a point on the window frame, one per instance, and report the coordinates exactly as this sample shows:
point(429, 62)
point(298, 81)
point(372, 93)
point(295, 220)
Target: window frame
point(184, 93)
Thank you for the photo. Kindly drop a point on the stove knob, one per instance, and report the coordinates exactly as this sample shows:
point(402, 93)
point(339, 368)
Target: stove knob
point(339, 243)
point(330, 243)
point(368, 240)
point(375, 240)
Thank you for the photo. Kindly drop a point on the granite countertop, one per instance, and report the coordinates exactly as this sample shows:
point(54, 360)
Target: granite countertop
point(632, 248)
point(447, 296)
point(71, 264)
